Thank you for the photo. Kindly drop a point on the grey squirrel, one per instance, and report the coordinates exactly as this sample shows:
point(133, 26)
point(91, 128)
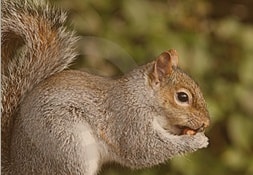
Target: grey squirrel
point(57, 121)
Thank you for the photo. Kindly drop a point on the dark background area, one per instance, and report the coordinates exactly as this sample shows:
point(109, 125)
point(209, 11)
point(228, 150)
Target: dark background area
point(214, 40)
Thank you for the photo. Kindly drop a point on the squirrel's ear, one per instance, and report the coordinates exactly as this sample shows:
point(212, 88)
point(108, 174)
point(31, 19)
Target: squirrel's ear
point(163, 65)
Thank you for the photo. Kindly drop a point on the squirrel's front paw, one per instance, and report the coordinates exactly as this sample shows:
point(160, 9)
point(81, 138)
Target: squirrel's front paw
point(194, 142)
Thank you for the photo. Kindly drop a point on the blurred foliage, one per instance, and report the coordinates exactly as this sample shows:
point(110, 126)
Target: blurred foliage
point(214, 40)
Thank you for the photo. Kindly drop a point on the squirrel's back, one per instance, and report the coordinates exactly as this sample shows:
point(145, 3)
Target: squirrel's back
point(34, 46)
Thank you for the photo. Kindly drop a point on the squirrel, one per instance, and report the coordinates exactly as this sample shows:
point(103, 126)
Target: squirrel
point(58, 121)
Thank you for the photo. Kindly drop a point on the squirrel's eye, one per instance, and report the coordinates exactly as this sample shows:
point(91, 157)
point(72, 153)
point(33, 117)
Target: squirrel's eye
point(182, 97)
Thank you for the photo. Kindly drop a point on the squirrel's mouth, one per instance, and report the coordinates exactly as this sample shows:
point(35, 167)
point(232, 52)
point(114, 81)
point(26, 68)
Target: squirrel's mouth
point(186, 130)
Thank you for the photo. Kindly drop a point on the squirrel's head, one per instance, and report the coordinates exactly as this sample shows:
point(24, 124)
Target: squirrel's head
point(181, 103)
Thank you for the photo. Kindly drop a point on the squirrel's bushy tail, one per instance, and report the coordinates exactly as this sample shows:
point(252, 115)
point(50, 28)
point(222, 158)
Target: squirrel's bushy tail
point(34, 46)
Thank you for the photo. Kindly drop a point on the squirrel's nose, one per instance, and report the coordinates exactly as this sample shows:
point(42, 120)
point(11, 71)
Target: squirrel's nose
point(206, 122)
point(204, 125)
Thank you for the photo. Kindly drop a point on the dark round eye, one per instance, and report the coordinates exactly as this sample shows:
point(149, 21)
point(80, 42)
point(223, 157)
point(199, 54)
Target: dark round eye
point(182, 97)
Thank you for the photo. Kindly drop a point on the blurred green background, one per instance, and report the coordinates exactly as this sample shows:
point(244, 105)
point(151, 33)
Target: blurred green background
point(214, 40)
